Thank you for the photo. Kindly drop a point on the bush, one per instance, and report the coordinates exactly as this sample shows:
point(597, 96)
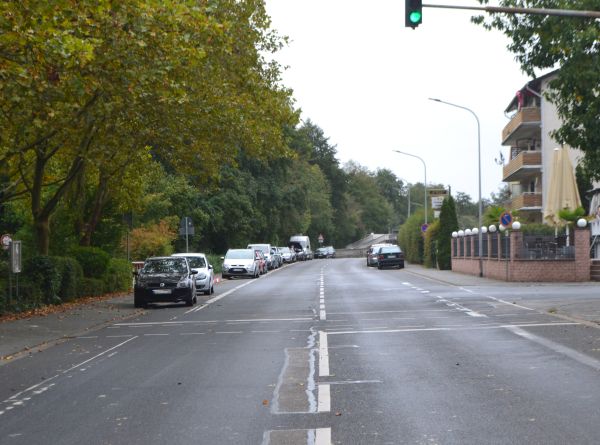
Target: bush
point(71, 274)
point(94, 261)
point(45, 278)
point(91, 287)
point(537, 229)
point(216, 262)
point(410, 238)
point(118, 276)
point(430, 248)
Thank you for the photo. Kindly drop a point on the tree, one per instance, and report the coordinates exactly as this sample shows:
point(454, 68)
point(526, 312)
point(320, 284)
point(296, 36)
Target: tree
point(448, 224)
point(82, 81)
point(544, 42)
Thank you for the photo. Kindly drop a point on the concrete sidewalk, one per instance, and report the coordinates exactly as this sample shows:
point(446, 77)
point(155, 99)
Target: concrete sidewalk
point(26, 336)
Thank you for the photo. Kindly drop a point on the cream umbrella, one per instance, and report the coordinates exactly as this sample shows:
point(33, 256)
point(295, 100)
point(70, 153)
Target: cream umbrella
point(563, 191)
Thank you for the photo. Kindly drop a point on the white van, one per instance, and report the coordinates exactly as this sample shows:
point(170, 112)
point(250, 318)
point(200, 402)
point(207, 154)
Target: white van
point(301, 245)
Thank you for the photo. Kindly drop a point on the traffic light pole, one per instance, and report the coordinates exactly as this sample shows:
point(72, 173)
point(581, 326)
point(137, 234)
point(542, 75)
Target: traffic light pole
point(534, 11)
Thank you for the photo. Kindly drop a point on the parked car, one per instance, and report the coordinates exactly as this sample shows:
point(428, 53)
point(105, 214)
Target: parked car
point(321, 252)
point(287, 254)
point(266, 249)
point(330, 251)
point(301, 245)
point(262, 262)
point(276, 257)
point(372, 253)
point(240, 263)
point(205, 278)
point(390, 256)
point(164, 279)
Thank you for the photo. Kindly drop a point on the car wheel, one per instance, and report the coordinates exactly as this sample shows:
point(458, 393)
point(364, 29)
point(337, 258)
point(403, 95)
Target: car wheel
point(191, 299)
point(212, 288)
point(138, 301)
point(379, 267)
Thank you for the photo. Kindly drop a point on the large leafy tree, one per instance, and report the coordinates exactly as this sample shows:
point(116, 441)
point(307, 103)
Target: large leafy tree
point(83, 81)
point(545, 42)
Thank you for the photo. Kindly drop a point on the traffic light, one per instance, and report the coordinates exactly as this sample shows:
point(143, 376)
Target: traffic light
point(413, 13)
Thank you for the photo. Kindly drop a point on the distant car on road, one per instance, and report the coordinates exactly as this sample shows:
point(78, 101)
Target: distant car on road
point(266, 249)
point(240, 263)
point(330, 251)
point(372, 253)
point(164, 279)
point(262, 262)
point(321, 252)
point(205, 278)
point(390, 256)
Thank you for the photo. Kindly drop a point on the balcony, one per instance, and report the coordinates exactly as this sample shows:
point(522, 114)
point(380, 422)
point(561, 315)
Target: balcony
point(523, 125)
point(527, 201)
point(521, 166)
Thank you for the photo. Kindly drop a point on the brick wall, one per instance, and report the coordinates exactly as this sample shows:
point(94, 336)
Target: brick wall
point(514, 269)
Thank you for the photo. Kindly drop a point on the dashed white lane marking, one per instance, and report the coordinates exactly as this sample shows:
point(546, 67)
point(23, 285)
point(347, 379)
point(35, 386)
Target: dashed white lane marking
point(323, 436)
point(322, 311)
point(460, 307)
point(324, 401)
point(323, 355)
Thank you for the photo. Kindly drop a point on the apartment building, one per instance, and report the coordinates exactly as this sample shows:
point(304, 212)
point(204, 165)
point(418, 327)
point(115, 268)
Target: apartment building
point(528, 136)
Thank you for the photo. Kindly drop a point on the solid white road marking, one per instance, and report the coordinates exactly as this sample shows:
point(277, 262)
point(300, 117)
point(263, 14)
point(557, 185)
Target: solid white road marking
point(511, 304)
point(324, 403)
point(464, 328)
point(561, 349)
point(323, 436)
point(323, 355)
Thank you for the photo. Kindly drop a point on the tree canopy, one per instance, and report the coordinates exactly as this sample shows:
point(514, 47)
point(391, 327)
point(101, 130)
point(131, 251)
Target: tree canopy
point(543, 42)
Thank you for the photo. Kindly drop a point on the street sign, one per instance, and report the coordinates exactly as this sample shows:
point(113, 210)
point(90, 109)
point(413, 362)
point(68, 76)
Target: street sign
point(5, 241)
point(424, 228)
point(506, 219)
point(321, 238)
point(15, 256)
point(186, 227)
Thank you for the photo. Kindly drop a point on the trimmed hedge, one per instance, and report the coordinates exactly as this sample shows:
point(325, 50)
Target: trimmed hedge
point(91, 287)
point(94, 261)
point(71, 275)
point(118, 276)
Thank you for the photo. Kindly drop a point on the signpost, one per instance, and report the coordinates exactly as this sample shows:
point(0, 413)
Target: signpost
point(321, 238)
point(186, 228)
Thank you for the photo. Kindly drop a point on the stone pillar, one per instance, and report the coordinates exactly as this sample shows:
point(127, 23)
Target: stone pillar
point(582, 254)
point(516, 241)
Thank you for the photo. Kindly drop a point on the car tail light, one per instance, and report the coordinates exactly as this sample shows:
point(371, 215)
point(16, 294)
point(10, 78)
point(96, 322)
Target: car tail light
point(380, 257)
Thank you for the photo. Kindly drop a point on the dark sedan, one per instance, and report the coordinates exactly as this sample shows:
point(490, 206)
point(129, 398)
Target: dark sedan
point(164, 279)
point(390, 256)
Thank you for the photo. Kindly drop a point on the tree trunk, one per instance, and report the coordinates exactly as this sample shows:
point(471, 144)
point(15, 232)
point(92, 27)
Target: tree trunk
point(100, 199)
point(42, 235)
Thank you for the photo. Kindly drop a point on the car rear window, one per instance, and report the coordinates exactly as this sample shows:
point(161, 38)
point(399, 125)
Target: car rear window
point(196, 262)
point(240, 254)
point(166, 265)
point(392, 249)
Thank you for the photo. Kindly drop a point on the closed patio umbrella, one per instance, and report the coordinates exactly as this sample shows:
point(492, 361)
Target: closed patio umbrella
point(563, 191)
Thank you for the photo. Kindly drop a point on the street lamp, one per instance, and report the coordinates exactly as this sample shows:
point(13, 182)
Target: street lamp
point(425, 168)
point(479, 174)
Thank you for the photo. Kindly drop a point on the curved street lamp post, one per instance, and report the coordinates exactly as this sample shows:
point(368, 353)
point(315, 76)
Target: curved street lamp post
point(479, 173)
point(425, 168)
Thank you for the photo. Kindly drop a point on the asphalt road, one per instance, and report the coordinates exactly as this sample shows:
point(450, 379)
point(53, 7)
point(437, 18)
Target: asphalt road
point(325, 351)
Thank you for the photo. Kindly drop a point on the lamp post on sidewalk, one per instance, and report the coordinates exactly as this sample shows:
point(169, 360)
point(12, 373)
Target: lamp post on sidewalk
point(480, 234)
point(425, 168)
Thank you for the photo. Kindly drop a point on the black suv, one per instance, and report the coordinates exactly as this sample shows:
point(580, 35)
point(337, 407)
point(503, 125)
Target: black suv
point(164, 279)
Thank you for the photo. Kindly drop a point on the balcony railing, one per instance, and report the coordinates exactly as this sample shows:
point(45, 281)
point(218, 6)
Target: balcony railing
point(522, 165)
point(526, 121)
point(527, 201)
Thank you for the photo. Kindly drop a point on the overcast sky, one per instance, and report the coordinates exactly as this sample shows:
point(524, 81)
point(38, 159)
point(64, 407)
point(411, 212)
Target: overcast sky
point(365, 79)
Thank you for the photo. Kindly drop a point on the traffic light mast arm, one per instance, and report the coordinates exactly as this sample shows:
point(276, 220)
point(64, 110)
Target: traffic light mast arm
point(534, 11)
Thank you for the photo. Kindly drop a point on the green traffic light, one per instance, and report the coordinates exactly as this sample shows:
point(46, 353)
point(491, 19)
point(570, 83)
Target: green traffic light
point(415, 17)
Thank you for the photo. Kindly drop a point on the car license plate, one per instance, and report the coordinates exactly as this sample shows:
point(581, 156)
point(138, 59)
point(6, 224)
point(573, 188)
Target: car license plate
point(392, 256)
point(161, 291)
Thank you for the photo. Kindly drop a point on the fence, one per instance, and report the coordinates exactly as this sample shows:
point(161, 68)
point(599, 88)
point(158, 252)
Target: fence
point(513, 256)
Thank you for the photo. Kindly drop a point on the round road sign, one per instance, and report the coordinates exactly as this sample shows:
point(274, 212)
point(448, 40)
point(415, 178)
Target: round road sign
point(506, 219)
point(5, 241)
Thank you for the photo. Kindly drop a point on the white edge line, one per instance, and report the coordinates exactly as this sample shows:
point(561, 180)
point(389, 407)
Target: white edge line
point(511, 304)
